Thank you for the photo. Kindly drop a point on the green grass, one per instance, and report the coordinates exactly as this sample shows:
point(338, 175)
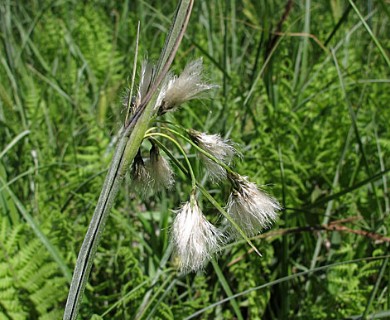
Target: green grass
point(310, 117)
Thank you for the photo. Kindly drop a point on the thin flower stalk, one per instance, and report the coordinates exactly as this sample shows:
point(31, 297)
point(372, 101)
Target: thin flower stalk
point(190, 170)
point(222, 155)
point(207, 195)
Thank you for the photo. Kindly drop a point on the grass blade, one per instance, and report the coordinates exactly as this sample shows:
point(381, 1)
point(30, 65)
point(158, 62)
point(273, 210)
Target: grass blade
point(14, 141)
point(374, 38)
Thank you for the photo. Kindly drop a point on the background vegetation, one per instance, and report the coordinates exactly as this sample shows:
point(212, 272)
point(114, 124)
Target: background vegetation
point(304, 91)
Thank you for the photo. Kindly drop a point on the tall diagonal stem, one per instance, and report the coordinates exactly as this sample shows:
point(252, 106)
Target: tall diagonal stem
point(125, 152)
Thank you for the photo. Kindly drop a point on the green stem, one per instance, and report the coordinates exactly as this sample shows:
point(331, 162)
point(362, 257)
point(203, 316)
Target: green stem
point(191, 172)
point(208, 155)
point(99, 218)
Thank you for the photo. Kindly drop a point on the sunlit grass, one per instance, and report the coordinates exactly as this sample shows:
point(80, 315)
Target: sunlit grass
point(310, 117)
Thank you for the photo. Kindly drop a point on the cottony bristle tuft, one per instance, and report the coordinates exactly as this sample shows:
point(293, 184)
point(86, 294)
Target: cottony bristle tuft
point(219, 148)
point(160, 171)
point(252, 209)
point(188, 86)
point(195, 239)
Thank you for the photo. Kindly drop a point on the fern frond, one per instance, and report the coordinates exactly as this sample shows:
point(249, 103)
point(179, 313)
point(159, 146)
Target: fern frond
point(30, 285)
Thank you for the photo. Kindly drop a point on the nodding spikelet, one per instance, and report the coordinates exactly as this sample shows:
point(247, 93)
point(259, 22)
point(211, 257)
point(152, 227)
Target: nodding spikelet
point(187, 86)
point(140, 175)
point(219, 148)
point(195, 239)
point(160, 171)
point(252, 209)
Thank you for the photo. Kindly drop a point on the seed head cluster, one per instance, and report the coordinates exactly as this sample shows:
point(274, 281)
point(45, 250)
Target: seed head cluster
point(195, 239)
point(220, 149)
point(179, 89)
point(160, 170)
point(252, 209)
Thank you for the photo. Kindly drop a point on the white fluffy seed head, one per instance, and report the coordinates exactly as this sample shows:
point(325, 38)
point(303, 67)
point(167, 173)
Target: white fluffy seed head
point(195, 239)
point(252, 209)
point(177, 90)
point(160, 171)
point(219, 148)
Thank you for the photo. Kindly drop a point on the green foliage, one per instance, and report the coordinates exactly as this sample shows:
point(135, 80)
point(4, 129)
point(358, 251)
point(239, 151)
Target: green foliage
point(31, 286)
point(255, 273)
point(345, 291)
point(311, 129)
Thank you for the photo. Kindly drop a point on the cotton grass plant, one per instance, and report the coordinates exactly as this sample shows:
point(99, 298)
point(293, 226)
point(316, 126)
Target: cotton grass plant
point(140, 112)
point(194, 238)
point(307, 99)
